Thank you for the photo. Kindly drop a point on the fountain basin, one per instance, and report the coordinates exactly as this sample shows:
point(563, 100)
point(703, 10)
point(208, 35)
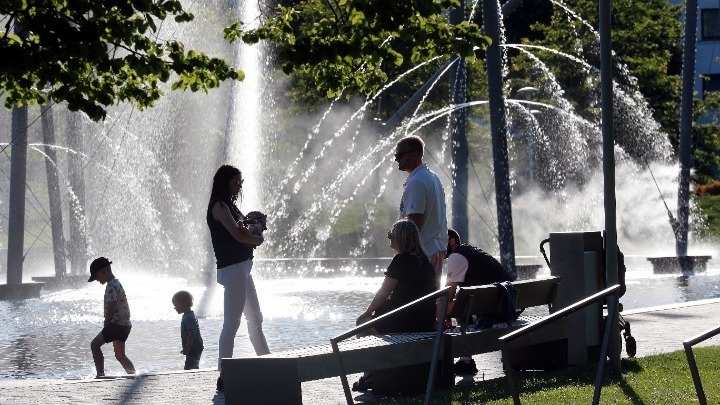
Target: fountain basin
point(675, 264)
point(20, 291)
point(527, 271)
point(61, 282)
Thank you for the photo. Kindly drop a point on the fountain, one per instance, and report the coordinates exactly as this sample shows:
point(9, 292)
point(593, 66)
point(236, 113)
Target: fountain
point(139, 162)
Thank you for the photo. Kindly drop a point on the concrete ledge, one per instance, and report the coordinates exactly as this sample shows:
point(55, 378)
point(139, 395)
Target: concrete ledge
point(61, 282)
point(20, 291)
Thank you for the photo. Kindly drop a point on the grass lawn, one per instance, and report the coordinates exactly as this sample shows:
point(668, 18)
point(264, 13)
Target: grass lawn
point(710, 206)
point(661, 379)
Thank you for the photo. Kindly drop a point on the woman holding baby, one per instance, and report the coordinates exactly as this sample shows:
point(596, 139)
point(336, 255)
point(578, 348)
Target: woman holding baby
point(233, 242)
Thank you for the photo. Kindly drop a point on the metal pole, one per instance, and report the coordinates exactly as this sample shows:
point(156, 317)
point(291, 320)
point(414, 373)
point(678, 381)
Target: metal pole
point(498, 127)
point(545, 321)
point(18, 178)
point(51, 170)
point(686, 109)
point(688, 345)
point(603, 352)
point(458, 139)
point(606, 83)
point(436, 348)
point(695, 374)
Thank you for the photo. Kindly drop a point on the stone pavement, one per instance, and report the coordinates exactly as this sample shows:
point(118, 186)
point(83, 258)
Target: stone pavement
point(657, 330)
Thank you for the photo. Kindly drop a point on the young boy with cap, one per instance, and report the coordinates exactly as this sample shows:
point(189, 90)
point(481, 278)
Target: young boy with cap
point(117, 317)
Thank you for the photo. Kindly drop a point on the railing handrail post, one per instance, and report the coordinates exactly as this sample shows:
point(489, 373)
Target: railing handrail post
point(504, 340)
point(334, 342)
point(688, 344)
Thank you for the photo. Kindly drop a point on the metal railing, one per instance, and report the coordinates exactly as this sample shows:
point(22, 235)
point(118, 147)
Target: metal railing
point(688, 344)
point(612, 304)
point(444, 294)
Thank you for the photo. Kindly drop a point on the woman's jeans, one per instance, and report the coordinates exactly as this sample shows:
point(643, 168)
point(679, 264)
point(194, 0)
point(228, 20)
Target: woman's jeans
point(240, 298)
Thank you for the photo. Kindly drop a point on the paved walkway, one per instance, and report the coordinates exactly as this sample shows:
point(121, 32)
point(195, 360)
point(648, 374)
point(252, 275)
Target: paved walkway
point(657, 330)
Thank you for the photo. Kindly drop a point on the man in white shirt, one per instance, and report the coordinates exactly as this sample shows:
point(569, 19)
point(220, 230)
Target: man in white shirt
point(423, 200)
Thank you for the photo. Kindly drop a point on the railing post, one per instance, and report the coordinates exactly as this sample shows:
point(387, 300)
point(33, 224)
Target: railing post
point(695, 374)
point(343, 376)
point(688, 344)
point(504, 340)
point(444, 294)
point(604, 349)
point(436, 347)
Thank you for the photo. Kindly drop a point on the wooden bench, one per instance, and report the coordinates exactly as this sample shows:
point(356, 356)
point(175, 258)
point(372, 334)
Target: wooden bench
point(277, 377)
point(488, 299)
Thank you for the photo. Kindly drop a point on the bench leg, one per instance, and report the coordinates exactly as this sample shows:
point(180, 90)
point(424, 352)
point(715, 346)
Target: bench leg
point(511, 375)
point(259, 380)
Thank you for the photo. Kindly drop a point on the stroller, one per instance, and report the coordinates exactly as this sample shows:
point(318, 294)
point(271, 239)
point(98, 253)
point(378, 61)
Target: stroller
point(630, 343)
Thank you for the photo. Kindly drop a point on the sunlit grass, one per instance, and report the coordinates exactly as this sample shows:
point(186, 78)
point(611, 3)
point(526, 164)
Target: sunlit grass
point(661, 379)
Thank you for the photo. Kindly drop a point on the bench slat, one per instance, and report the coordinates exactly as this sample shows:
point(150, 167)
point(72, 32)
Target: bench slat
point(364, 354)
point(486, 340)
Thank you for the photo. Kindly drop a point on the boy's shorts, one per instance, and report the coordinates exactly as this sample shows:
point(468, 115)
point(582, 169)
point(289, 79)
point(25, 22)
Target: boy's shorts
point(112, 332)
point(192, 359)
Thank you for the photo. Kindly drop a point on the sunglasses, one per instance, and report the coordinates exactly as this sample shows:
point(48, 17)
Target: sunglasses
point(399, 155)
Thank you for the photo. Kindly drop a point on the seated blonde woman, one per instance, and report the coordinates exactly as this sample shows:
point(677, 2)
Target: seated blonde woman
point(409, 276)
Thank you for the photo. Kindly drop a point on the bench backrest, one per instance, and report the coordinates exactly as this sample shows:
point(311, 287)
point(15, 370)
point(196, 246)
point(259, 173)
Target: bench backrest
point(488, 299)
point(533, 293)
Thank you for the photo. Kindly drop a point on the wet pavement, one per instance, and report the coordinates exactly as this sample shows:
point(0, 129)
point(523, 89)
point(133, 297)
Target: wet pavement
point(657, 330)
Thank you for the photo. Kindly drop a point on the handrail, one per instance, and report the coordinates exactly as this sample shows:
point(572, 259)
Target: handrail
point(443, 293)
point(504, 340)
point(688, 344)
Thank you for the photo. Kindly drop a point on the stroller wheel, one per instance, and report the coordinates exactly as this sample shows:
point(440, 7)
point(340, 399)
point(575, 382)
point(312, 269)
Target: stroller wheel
point(630, 346)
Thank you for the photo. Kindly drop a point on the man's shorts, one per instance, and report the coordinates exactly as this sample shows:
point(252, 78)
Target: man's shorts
point(112, 332)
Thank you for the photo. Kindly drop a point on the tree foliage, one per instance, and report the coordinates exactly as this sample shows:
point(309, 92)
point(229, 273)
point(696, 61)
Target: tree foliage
point(645, 38)
point(647, 41)
point(352, 46)
point(92, 54)
point(706, 139)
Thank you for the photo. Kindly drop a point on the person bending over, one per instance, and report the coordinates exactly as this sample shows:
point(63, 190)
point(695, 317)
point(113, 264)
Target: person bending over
point(468, 266)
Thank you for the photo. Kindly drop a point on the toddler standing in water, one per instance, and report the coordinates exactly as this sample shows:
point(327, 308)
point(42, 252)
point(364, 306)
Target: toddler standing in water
point(192, 342)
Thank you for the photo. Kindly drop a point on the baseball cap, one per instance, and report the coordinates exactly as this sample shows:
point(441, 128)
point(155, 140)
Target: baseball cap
point(97, 265)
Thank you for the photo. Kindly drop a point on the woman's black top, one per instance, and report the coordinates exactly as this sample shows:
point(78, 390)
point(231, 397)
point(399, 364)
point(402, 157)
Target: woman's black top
point(416, 278)
point(228, 251)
